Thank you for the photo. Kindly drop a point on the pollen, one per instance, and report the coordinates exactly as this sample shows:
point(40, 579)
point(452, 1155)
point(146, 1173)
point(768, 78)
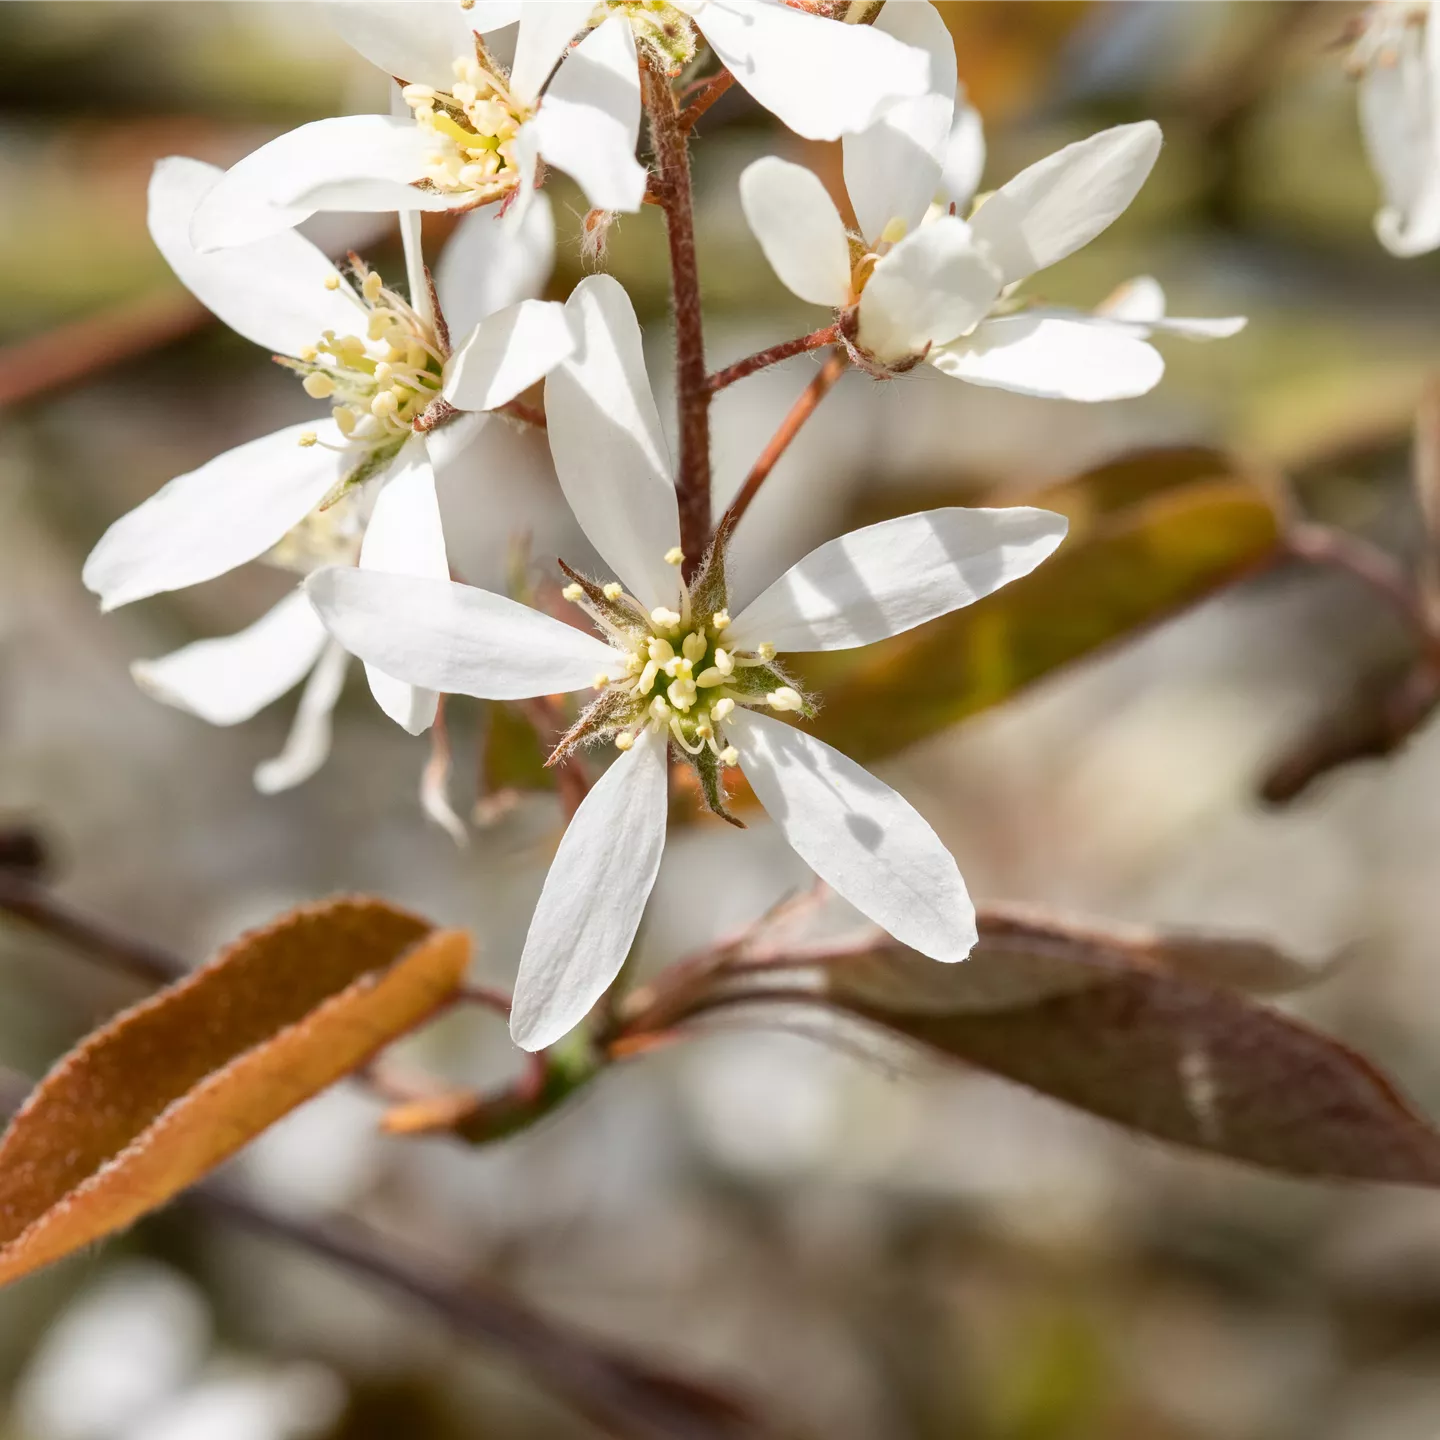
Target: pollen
point(574, 593)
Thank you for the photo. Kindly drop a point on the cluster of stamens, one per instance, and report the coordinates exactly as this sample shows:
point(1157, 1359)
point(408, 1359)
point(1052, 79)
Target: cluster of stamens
point(474, 125)
point(381, 382)
point(679, 676)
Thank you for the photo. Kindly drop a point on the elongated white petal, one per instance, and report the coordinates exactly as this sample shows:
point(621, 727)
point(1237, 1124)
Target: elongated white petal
point(272, 292)
point(593, 898)
point(892, 168)
point(232, 678)
point(1064, 201)
point(416, 280)
point(860, 837)
point(453, 638)
point(490, 262)
point(508, 353)
point(1139, 304)
point(607, 444)
point(202, 524)
point(963, 162)
point(546, 30)
point(890, 577)
point(404, 537)
point(416, 41)
point(1056, 354)
point(799, 229)
point(935, 284)
point(1398, 120)
point(308, 744)
point(822, 78)
point(589, 121)
point(348, 162)
point(455, 444)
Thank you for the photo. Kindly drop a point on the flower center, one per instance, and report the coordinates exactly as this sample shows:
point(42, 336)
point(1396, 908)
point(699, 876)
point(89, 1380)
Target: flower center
point(381, 383)
point(664, 29)
point(473, 125)
point(679, 675)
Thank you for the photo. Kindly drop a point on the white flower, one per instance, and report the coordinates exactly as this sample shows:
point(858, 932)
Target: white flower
point(467, 133)
point(1397, 58)
point(356, 489)
point(821, 77)
point(675, 669)
point(919, 283)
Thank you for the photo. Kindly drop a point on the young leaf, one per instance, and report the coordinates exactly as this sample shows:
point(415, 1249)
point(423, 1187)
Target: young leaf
point(1128, 1037)
point(162, 1094)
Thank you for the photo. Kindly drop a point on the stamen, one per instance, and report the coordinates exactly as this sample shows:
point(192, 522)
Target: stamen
point(720, 620)
point(680, 739)
point(613, 591)
point(601, 681)
point(332, 282)
point(664, 619)
point(722, 708)
point(729, 756)
point(573, 593)
point(675, 556)
point(785, 698)
point(308, 438)
point(624, 740)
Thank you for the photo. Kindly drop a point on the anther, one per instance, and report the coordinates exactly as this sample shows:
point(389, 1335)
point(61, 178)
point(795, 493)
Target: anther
point(721, 708)
point(766, 652)
point(624, 740)
point(309, 354)
point(660, 650)
point(384, 405)
point(613, 591)
point(729, 756)
point(694, 646)
point(318, 385)
point(720, 620)
point(664, 619)
point(308, 438)
point(600, 681)
point(332, 282)
point(675, 556)
point(894, 231)
point(784, 699)
point(574, 593)
point(371, 286)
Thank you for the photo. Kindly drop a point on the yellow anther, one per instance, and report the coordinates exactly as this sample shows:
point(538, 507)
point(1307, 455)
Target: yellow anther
point(318, 385)
point(309, 438)
point(766, 652)
point(613, 591)
point(659, 710)
point(418, 92)
point(704, 729)
point(332, 282)
point(633, 664)
point(710, 677)
point(894, 231)
point(309, 354)
point(675, 556)
point(371, 286)
point(681, 693)
point(694, 646)
point(660, 650)
point(647, 678)
point(664, 619)
point(729, 756)
point(384, 373)
point(720, 620)
point(624, 740)
point(784, 699)
point(721, 708)
point(724, 661)
point(573, 593)
point(384, 405)
point(600, 681)
point(344, 418)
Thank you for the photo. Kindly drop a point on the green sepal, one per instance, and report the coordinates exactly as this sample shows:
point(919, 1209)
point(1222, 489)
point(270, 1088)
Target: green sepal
point(367, 469)
point(607, 714)
point(615, 615)
point(712, 786)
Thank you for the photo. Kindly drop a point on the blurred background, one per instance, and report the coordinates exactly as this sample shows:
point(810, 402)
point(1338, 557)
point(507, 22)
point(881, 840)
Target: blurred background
point(868, 1246)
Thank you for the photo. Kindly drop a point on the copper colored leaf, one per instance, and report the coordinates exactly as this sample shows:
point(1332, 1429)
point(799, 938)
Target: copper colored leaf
point(1130, 570)
point(166, 1091)
point(1128, 1037)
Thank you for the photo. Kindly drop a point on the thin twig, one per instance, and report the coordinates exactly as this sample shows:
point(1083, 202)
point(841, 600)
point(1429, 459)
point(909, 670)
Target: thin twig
point(790, 427)
point(763, 359)
point(702, 95)
point(672, 152)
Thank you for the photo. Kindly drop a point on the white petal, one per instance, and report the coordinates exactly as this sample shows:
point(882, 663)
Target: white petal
point(890, 577)
point(404, 537)
point(308, 743)
point(589, 121)
point(416, 41)
point(507, 354)
point(1060, 355)
point(272, 292)
point(452, 444)
point(963, 162)
point(799, 229)
point(1397, 103)
point(607, 444)
point(546, 29)
point(488, 15)
point(230, 679)
point(822, 78)
point(860, 837)
point(490, 262)
point(453, 638)
point(1139, 301)
point(1064, 201)
point(200, 525)
point(892, 168)
point(348, 162)
point(417, 280)
point(594, 896)
point(934, 285)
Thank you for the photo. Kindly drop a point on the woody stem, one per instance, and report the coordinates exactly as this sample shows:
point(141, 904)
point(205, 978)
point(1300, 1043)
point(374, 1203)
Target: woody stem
point(672, 153)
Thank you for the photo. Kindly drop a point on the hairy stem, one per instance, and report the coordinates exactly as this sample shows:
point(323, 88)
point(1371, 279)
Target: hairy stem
point(692, 382)
point(702, 95)
point(790, 427)
point(763, 359)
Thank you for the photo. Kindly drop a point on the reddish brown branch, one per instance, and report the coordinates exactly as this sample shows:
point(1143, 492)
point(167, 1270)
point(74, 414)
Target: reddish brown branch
point(790, 427)
point(672, 153)
point(702, 95)
point(763, 359)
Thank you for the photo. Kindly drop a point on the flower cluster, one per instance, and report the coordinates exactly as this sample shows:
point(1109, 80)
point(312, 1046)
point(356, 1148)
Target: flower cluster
point(671, 666)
